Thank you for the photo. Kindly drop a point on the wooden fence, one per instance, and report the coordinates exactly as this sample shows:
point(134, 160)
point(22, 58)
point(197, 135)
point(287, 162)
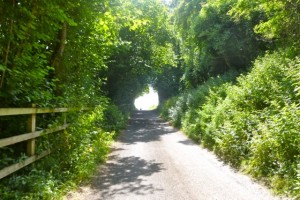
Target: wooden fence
point(31, 136)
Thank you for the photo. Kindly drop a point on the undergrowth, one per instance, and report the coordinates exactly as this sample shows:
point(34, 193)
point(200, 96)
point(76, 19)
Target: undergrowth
point(75, 155)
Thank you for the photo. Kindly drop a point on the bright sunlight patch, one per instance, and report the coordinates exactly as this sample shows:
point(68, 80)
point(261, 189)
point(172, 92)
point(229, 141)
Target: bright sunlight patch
point(148, 101)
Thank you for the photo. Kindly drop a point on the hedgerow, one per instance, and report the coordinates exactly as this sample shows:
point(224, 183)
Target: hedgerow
point(252, 124)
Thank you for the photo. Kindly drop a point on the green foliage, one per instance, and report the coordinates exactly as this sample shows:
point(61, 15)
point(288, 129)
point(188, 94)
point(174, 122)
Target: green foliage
point(144, 49)
point(84, 144)
point(54, 54)
point(276, 20)
point(75, 155)
point(179, 107)
point(212, 43)
point(168, 83)
point(251, 124)
point(26, 38)
point(114, 119)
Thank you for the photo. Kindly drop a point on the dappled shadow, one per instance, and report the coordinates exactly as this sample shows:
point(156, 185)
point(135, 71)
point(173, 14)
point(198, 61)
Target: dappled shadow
point(124, 175)
point(187, 142)
point(127, 175)
point(144, 126)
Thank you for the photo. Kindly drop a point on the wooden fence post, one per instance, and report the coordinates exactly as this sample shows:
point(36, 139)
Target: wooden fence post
point(31, 128)
point(65, 118)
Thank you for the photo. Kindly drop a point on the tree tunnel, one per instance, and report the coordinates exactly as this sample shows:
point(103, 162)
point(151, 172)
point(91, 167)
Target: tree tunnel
point(148, 100)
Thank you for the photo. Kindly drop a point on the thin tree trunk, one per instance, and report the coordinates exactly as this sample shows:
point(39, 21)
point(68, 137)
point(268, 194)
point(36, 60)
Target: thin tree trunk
point(5, 62)
point(7, 51)
point(56, 61)
point(227, 62)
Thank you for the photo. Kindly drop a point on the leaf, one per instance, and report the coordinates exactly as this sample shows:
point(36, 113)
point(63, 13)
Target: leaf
point(2, 67)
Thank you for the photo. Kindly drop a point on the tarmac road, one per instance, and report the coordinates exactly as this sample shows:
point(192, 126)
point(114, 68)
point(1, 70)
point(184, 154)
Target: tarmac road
point(152, 160)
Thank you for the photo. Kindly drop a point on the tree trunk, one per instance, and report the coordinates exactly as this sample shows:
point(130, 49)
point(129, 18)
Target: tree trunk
point(7, 51)
point(6, 59)
point(59, 51)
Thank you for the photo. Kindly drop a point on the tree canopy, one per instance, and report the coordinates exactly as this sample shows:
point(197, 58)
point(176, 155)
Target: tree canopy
point(66, 53)
point(69, 52)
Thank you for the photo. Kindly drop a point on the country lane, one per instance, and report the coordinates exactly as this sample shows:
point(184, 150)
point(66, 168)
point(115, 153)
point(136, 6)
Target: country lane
point(152, 160)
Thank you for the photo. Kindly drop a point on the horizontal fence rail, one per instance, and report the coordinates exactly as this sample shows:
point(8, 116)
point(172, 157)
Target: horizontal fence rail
point(15, 167)
point(27, 136)
point(31, 135)
point(27, 111)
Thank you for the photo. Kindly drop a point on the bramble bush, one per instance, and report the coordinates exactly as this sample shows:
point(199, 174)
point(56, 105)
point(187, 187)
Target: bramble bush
point(252, 124)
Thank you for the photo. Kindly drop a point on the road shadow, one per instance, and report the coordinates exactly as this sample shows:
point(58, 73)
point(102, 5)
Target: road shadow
point(127, 175)
point(188, 142)
point(145, 126)
point(124, 175)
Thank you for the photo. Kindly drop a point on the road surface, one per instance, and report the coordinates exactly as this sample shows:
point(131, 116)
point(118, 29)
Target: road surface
point(152, 160)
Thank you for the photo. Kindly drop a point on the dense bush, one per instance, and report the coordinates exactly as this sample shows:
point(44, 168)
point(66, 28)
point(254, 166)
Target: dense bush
point(75, 154)
point(177, 109)
point(253, 124)
point(114, 119)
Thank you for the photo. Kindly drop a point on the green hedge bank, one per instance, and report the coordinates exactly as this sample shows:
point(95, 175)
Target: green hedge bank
point(251, 123)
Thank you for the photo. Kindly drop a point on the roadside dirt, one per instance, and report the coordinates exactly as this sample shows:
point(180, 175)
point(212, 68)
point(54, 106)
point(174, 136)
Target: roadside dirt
point(152, 160)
